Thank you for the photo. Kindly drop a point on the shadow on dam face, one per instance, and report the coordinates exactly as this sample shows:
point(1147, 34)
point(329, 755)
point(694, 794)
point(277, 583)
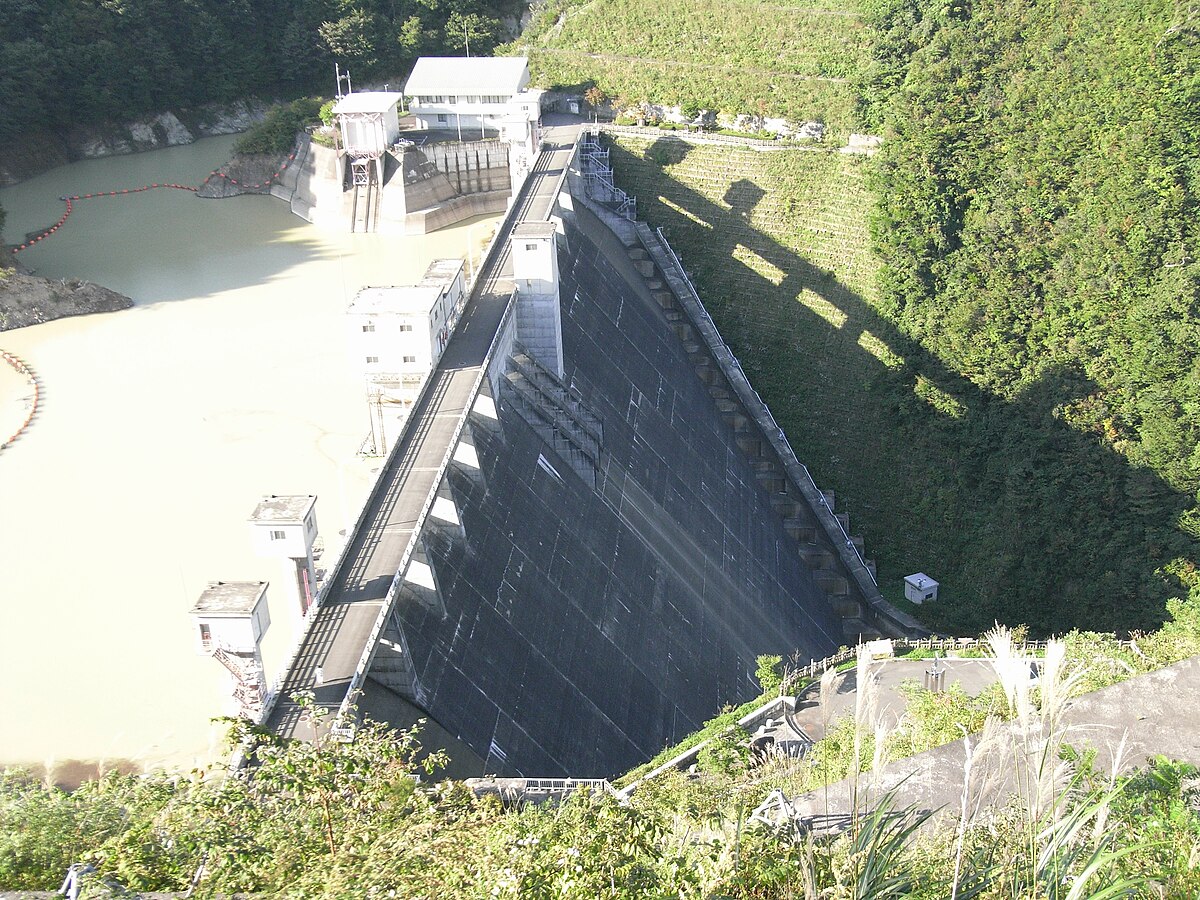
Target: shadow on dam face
point(594, 608)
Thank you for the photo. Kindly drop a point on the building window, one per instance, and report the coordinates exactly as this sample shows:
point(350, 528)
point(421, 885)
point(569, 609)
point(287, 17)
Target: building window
point(451, 99)
point(442, 117)
point(531, 246)
point(278, 535)
point(472, 99)
point(372, 359)
point(370, 326)
point(409, 359)
point(205, 636)
point(406, 328)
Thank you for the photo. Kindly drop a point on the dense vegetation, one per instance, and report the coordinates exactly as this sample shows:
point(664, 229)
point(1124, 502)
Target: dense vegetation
point(1037, 225)
point(998, 370)
point(329, 819)
point(736, 56)
point(65, 63)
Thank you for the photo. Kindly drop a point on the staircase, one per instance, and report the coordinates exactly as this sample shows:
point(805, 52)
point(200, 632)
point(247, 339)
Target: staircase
point(556, 413)
point(250, 685)
point(799, 520)
point(598, 179)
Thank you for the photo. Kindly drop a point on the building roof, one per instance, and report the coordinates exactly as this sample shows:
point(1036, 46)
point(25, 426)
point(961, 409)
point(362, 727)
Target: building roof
point(365, 102)
point(285, 510)
point(442, 272)
point(920, 580)
point(402, 300)
point(229, 598)
point(534, 229)
point(493, 75)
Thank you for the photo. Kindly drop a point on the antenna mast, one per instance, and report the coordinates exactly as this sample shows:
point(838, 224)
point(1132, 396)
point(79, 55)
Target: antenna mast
point(337, 72)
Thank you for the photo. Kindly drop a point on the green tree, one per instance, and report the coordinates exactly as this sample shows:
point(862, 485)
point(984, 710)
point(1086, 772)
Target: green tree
point(768, 673)
point(471, 31)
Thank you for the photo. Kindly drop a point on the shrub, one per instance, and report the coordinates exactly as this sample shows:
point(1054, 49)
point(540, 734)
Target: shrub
point(277, 132)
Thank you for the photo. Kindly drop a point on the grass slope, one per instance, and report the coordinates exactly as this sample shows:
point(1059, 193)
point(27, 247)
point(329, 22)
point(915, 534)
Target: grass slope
point(749, 56)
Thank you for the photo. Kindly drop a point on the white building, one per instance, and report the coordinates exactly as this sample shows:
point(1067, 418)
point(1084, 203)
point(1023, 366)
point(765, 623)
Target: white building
point(231, 615)
point(368, 122)
point(368, 125)
point(286, 528)
point(920, 588)
point(230, 619)
point(470, 94)
point(397, 335)
point(535, 271)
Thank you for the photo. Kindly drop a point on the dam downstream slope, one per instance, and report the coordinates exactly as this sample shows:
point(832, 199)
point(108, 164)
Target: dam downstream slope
point(612, 580)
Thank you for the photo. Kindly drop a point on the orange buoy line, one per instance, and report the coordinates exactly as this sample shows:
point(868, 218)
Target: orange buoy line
point(217, 173)
point(71, 200)
point(17, 363)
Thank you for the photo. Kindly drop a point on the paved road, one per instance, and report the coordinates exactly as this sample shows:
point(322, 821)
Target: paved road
point(337, 636)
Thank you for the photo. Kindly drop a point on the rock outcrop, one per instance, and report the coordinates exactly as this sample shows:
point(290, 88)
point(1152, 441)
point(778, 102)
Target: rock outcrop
point(30, 300)
point(37, 152)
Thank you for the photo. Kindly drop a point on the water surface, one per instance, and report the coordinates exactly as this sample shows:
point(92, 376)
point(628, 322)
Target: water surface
point(160, 427)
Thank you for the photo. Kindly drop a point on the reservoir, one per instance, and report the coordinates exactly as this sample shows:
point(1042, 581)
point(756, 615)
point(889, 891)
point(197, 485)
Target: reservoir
point(158, 430)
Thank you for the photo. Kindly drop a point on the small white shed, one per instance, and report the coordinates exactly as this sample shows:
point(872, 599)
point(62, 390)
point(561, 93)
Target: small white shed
point(368, 121)
point(920, 588)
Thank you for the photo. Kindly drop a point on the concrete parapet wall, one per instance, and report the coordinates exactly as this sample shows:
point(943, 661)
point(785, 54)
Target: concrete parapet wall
point(872, 608)
point(450, 212)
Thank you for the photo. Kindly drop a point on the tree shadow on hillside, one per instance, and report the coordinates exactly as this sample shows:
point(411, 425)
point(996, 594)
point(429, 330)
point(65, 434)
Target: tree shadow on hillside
point(1021, 517)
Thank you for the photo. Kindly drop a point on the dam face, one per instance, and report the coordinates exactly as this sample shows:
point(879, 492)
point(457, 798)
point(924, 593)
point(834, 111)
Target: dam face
point(618, 567)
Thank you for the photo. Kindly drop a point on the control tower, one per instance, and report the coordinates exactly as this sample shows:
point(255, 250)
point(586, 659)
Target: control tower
point(286, 527)
point(231, 617)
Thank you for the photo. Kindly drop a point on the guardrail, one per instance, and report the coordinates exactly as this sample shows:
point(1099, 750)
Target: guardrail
point(489, 256)
point(342, 727)
point(330, 579)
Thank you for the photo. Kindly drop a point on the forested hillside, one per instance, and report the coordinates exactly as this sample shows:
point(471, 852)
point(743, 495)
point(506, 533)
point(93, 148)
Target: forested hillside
point(77, 62)
point(1036, 219)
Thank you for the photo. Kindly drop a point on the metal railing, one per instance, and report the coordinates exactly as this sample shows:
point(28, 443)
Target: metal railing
point(784, 447)
point(343, 727)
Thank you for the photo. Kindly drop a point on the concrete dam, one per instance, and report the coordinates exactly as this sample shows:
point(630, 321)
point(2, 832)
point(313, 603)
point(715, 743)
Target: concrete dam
point(587, 533)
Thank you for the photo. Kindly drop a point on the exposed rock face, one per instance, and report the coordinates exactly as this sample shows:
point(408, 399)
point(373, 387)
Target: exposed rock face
point(29, 300)
point(37, 152)
point(244, 174)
